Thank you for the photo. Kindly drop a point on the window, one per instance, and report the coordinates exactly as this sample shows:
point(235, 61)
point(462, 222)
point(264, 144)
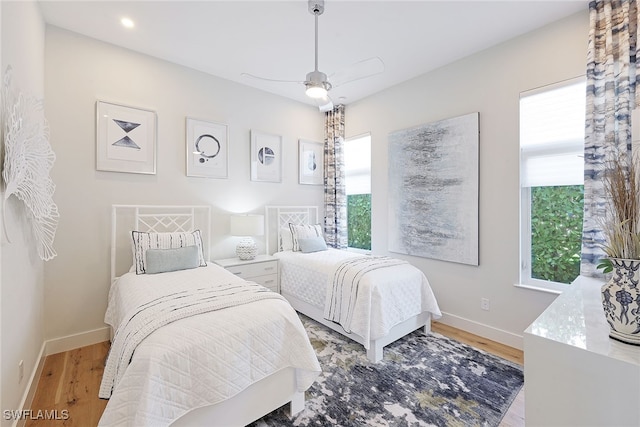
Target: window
point(552, 121)
point(357, 161)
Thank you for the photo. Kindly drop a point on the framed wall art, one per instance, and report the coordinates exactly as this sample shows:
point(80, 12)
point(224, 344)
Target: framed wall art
point(207, 149)
point(433, 190)
point(310, 162)
point(266, 157)
point(125, 139)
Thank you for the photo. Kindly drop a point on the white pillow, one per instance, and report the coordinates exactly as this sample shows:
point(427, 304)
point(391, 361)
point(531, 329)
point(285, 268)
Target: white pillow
point(286, 239)
point(142, 241)
point(303, 232)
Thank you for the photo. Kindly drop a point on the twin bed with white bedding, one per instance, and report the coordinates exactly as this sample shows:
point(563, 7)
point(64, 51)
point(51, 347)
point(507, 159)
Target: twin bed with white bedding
point(195, 345)
point(372, 300)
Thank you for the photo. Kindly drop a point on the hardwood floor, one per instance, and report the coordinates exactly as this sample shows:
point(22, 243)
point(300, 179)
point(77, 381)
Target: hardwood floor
point(70, 381)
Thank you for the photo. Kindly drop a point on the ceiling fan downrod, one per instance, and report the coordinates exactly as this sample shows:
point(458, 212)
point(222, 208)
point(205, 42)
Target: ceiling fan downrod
point(317, 84)
point(316, 8)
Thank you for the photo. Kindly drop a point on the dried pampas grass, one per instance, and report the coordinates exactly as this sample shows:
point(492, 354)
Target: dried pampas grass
point(621, 223)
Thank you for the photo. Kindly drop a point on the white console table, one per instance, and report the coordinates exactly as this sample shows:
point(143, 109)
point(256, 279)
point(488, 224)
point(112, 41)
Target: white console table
point(575, 375)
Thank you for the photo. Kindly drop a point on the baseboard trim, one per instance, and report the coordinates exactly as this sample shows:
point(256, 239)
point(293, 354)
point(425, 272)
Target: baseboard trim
point(70, 342)
point(480, 329)
point(32, 386)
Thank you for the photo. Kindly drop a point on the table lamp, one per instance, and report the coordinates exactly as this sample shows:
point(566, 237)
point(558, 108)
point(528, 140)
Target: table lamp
point(246, 226)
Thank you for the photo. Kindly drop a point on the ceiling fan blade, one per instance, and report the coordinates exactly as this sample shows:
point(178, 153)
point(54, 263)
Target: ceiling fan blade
point(359, 70)
point(251, 76)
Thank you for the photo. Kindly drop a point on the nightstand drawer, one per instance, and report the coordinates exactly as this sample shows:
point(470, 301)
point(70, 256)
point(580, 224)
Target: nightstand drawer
point(249, 271)
point(270, 281)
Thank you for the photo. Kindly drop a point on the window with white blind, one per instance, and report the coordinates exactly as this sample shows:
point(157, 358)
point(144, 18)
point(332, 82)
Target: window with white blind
point(357, 162)
point(552, 121)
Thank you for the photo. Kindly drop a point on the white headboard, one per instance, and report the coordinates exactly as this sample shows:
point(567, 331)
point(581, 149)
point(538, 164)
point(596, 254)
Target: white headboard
point(159, 219)
point(277, 217)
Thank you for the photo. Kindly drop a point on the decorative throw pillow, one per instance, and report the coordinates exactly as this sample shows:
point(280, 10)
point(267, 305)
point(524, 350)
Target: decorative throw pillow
point(312, 244)
point(142, 241)
point(304, 231)
point(164, 260)
point(286, 239)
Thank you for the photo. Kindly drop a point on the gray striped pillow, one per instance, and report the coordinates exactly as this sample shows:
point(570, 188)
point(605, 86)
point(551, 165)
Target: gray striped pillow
point(304, 232)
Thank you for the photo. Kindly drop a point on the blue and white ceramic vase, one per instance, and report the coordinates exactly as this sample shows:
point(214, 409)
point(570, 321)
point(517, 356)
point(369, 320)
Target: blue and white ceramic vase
point(621, 301)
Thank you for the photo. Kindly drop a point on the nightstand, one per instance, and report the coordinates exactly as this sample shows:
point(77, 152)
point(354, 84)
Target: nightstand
point(263, 269)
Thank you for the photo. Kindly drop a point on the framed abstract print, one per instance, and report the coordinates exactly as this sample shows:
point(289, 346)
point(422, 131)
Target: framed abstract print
point(266, 157)
point(310, 162)
point(125, 139)
point(207, 149)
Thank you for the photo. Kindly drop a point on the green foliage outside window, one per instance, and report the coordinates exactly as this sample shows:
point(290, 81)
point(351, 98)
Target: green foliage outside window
point(556, 232)
point(359, 220)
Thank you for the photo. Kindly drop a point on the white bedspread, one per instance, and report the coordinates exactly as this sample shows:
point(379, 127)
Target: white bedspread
point(387, 297)
point(203, 359)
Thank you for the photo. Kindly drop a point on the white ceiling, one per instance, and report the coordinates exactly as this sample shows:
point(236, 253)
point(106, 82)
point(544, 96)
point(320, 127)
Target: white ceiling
point(275, 39)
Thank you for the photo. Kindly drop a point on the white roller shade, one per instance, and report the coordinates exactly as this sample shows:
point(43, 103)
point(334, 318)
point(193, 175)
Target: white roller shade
point(358, 184)
point(357, 162)
point(552, 122)
point(559, 169)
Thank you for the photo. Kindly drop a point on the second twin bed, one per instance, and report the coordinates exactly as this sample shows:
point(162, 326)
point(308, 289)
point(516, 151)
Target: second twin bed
point(393, 297)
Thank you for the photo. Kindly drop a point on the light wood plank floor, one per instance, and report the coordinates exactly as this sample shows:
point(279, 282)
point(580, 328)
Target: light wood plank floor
point(71, 380)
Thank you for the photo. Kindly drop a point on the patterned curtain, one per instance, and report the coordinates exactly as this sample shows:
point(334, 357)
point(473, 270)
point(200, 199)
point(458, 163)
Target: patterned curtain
point(335, 196)
point(612, 74)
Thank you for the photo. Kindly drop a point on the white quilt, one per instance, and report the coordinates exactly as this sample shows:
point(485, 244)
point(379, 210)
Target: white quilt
point(386, 297)
point(203, 359)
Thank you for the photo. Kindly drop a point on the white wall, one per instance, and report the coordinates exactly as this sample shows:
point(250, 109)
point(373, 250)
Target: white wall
point(488, 82)
point(22, 279)
point(80, 71)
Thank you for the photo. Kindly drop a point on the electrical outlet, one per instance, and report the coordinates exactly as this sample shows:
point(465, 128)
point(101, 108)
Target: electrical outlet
point(20, 371)
point(484, 303)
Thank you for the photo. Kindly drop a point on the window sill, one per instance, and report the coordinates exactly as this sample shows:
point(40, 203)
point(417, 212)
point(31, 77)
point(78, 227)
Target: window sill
point(538, 289)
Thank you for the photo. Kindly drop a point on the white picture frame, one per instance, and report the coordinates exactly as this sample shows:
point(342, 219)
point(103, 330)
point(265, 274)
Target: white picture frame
point(310, 162)
point(125, 138)
point(207, 145)
point(266, 157)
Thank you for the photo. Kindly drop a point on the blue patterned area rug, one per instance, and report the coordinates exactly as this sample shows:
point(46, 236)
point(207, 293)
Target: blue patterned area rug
point(423, 380)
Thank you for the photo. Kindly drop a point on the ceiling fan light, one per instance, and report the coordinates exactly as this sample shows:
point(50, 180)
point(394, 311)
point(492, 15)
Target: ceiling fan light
point(316, 91)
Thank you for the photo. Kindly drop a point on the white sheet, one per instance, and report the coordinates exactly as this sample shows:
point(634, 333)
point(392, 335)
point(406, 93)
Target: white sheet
point(392, 295)
point(203, 359)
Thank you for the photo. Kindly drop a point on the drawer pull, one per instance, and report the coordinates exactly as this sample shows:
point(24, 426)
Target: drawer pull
point(268, 268)
point(239, 273)
point(268, 281)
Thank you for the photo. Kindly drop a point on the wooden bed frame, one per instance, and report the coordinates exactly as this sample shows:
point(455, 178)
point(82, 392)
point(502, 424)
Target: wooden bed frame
point(277, 217)
point(257, 400)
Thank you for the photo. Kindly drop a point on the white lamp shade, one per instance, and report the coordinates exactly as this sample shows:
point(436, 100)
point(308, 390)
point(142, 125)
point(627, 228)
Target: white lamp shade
point(247, 225)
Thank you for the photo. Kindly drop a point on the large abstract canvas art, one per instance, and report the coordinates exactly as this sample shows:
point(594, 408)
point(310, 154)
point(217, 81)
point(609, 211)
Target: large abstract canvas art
point(433, 190)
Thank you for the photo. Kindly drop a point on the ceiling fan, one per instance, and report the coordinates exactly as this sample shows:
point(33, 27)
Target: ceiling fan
point(317, 83)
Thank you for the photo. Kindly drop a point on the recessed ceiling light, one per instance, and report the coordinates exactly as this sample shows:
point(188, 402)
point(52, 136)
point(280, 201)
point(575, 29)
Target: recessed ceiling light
point(127, 23)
